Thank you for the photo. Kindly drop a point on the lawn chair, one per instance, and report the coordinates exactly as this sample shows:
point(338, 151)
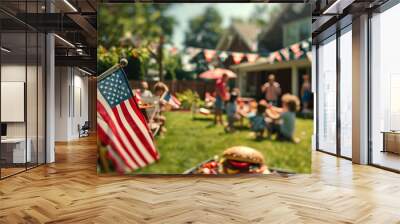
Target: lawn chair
point(152, 113)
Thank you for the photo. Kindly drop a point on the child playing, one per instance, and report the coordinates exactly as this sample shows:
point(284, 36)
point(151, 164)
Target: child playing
point(257, 121)
point(285, 127)
point(231, 110)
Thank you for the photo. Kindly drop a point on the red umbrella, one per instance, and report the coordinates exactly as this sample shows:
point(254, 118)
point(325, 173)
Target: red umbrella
point(217, 74)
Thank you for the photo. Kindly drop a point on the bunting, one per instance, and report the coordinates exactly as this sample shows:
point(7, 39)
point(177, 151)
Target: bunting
point(296, 50)
point(192, 51)
point(223, 56)
point(251, 57)
point(293, 52)
point(209, 54)
point(237, 57)
point(285, 53)
point(276, 56)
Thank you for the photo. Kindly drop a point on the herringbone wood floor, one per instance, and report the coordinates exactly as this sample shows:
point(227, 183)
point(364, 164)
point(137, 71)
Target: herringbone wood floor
point(70, 191)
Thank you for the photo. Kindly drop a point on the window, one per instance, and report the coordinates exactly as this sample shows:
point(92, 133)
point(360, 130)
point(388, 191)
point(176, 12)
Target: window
point(22, 88)
point(346, 93)
point(327, 95)
point(385, 89)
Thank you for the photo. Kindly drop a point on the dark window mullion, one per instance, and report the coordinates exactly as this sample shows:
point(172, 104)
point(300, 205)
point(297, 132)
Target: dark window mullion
point(37, 90)
point(26, 87)
point(338, 98)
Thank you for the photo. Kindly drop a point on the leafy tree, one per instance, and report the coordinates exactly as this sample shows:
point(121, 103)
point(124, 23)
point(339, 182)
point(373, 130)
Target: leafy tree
point(262, 13)
point(140, 25)
point(204, 30)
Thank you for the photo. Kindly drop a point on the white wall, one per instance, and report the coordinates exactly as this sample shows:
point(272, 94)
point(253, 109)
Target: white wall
point(71, 102)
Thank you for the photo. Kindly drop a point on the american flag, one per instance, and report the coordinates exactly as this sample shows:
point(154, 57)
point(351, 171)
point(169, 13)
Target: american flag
point(172, 100)
point(122, 128)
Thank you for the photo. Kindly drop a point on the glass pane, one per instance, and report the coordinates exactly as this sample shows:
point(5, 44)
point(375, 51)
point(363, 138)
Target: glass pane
point(346, 94)
point(32, 97)
point(327, 96)
point(41, 99)
point(385, 86)
point(13, 86)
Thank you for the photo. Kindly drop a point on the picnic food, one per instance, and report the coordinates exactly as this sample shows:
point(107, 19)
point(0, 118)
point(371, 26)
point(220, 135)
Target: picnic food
point(243, 159)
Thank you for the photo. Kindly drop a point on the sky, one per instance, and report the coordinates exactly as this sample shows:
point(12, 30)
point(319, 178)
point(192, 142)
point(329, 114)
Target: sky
point(184, 12)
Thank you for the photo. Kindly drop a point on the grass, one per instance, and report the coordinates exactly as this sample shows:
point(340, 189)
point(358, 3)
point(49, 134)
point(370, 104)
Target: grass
point(189, 142)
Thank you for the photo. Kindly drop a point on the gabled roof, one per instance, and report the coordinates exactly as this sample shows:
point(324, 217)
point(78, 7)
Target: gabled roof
point(247, 32)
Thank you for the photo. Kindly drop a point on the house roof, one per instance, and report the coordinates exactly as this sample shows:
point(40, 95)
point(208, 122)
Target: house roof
point(246, 31)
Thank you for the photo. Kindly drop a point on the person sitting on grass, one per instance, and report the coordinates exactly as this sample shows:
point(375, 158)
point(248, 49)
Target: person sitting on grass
point(257, 121)
point(285, 127)
point(231, 110)
point(144, 90)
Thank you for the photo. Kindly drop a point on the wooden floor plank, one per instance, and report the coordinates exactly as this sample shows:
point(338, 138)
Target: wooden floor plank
point(69, 191)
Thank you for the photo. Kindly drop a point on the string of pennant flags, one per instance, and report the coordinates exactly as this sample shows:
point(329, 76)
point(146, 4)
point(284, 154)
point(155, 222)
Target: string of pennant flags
point(293, 52)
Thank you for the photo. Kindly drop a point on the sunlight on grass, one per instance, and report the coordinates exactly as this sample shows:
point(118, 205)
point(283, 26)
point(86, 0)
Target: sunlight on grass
point(189, 142)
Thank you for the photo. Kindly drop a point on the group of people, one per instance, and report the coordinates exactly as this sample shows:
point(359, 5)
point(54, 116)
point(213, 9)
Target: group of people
point(264, 115)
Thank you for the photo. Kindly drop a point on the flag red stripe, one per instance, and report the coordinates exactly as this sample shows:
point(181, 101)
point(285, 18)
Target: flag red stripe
point(139, 133)
point(133, 105)
point(110, 123)
point(115, 162)
point(107, 141)
point(140, 115)
point(137, 111)
point(148, 142)
point(128, 136)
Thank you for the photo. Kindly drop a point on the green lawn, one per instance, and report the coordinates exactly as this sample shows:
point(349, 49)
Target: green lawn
point(189, 142)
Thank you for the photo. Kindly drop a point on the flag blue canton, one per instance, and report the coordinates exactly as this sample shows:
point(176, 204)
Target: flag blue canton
point(115, 88)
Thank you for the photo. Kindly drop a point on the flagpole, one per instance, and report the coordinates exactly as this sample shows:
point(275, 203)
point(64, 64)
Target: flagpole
point(122, 63)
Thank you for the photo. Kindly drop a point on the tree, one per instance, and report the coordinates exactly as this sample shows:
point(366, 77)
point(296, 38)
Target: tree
point(139, 25)
point(263, 13)
point(204, 30)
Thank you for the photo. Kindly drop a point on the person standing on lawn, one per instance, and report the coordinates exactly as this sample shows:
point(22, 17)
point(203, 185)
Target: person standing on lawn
point(221, 96)
point(306, 94)
point(272, 90)
point(231, 110)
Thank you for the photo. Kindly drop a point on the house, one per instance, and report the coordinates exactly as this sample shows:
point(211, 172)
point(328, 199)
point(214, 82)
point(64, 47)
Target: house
point(275, 37)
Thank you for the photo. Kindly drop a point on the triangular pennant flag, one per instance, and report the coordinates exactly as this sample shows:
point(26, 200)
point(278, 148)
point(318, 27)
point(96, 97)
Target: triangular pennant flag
point(276, 56)
point(285, 53)
point(270, 58)
point(309, 56)
point(192, 51)
point(209, 54)
point(223, 56)
point(237, 57)
point(296, 50)
point(305, 45)
point(251, 57)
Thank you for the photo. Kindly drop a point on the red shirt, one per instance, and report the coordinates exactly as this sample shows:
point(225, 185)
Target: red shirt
point(221, 89)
